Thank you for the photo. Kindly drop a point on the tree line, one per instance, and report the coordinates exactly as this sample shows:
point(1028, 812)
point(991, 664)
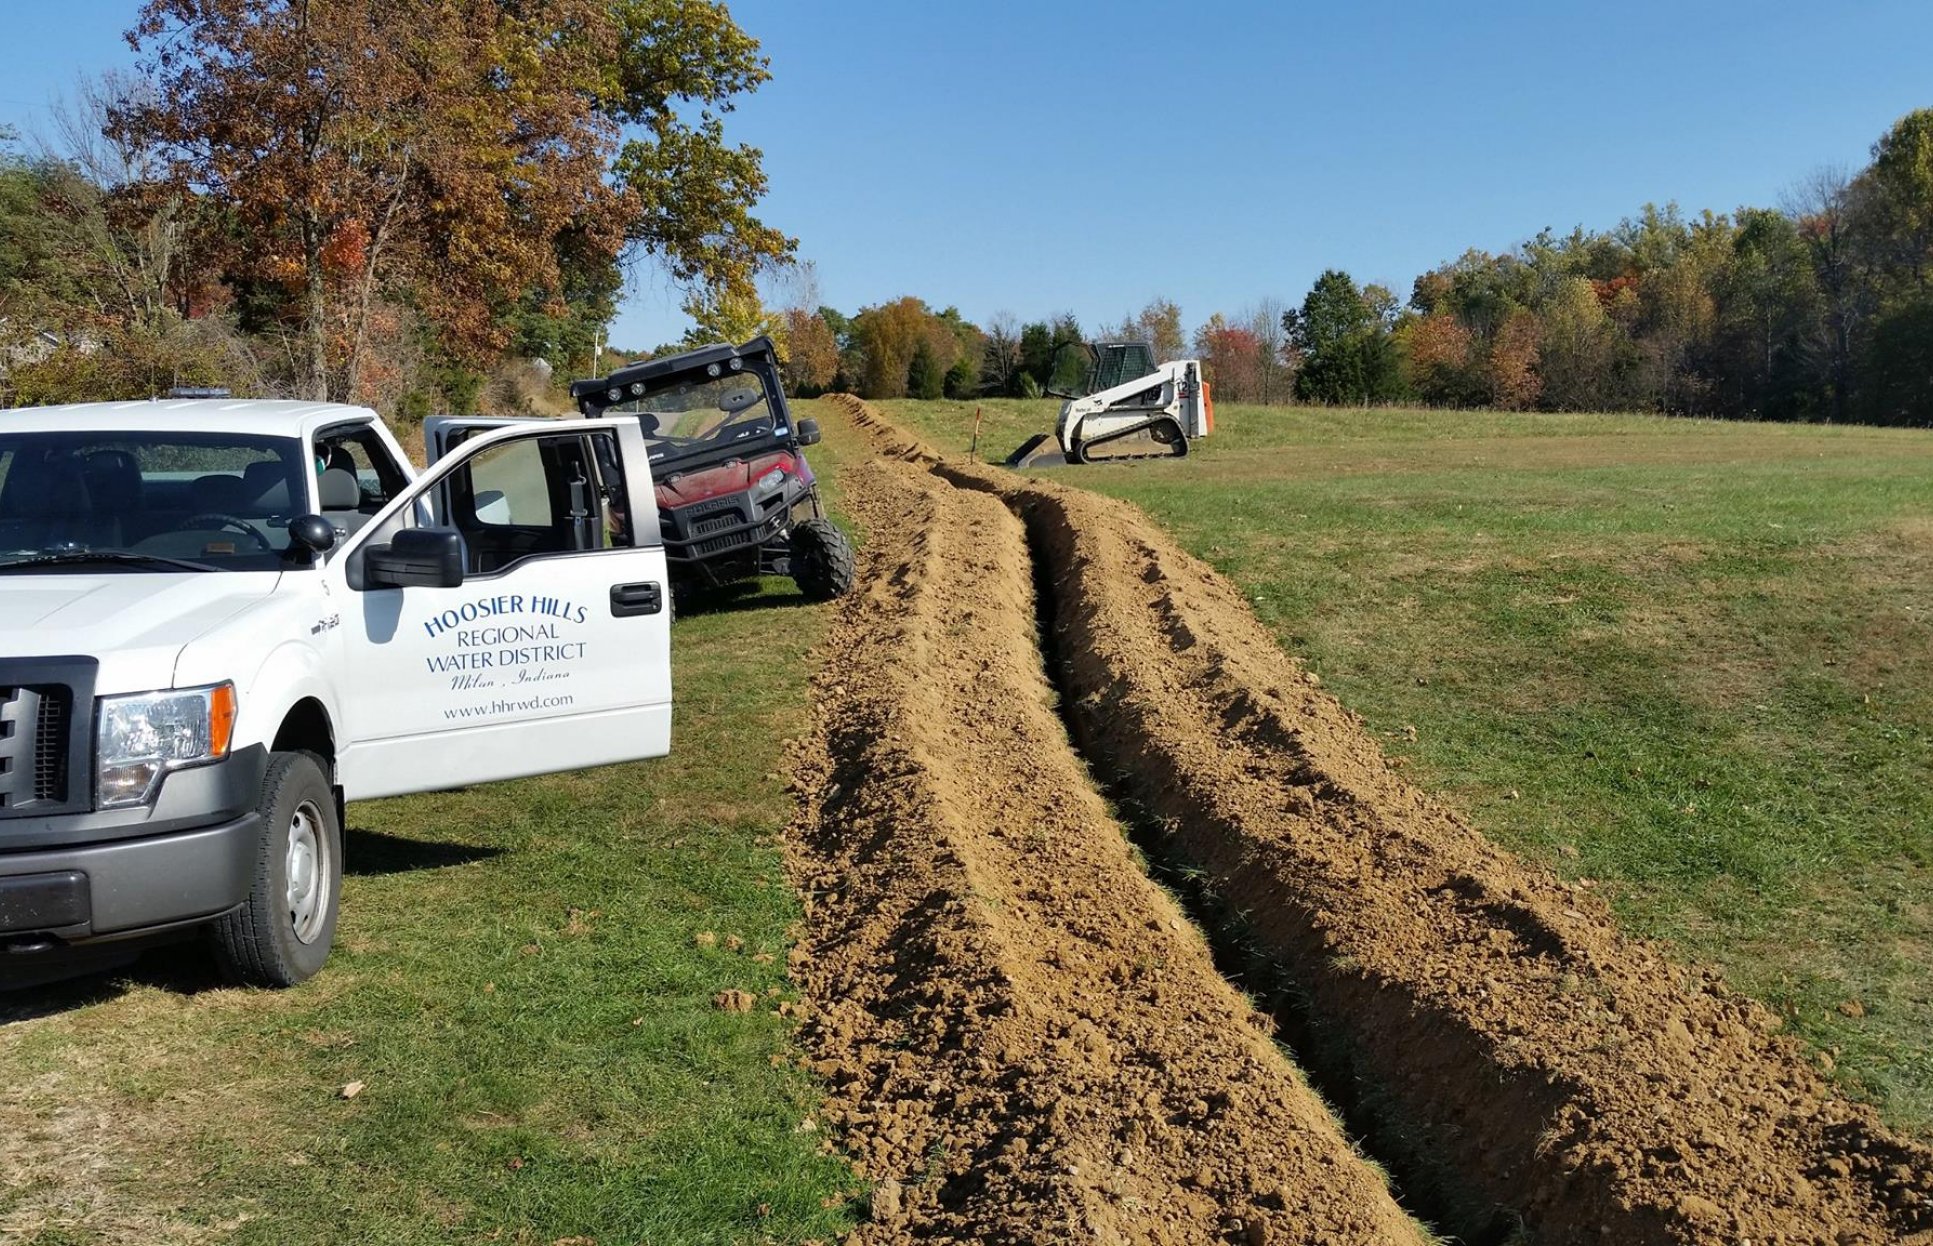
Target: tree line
point(1820, 309)
point(376, 201)
point(383, 201)
point(904, 348)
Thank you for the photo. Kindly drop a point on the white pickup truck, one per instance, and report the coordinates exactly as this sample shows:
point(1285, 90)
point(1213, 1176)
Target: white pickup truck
point(220, 620)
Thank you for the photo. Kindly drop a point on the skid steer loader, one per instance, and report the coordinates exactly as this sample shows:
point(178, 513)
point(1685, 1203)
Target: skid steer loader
point(1129, 408)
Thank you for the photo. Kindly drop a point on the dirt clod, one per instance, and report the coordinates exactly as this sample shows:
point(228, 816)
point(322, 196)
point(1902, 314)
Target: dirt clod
point(887, 1204)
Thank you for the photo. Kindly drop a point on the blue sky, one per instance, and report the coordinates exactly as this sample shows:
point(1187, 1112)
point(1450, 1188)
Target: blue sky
point(1073, 154)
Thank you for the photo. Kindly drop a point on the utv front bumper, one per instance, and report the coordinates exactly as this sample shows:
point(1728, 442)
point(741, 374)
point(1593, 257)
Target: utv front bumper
point(729, 535)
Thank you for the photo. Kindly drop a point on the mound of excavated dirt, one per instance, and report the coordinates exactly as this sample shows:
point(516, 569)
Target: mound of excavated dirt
point(1026, 1040)
point(1512, 1040)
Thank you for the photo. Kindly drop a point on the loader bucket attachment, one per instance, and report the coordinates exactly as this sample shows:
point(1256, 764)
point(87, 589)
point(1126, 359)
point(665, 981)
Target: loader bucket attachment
point(1027, 453)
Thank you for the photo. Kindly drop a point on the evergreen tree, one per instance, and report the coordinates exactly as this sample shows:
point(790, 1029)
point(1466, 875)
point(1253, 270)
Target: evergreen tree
point(1343, 336)
point(962, 379)
point(924, 377)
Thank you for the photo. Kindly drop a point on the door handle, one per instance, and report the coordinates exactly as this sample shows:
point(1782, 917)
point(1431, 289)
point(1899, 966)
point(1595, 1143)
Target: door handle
point(631, 599)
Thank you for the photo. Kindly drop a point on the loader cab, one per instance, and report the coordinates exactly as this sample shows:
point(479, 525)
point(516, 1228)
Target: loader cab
point(1117, 363)
point(1099, 366)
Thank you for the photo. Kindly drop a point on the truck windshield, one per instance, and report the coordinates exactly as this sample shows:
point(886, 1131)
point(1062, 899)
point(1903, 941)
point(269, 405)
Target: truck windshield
point(697, 415)
point(148, 501)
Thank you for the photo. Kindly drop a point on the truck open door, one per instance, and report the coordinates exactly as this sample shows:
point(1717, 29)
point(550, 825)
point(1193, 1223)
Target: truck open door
point(507, 614)
point(444, 433)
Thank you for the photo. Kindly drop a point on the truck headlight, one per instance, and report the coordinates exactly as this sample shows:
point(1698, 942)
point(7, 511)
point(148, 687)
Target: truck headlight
point(770, 480)
point(139, 739)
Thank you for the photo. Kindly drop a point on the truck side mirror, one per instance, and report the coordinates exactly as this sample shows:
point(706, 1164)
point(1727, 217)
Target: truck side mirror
point(808, 432)
point(416, 558)
point(311, 534)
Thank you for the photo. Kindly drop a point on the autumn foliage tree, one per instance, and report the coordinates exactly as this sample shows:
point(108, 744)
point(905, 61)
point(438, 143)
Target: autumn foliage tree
point(1514, 382)
point(1580, 342)
point(811, 351)
point(680, 65)
point(455, 156)
point(904, 347)
point(1231, 359)
point(724, 314)
point(1158, 324)
point(888, 336)
point(1444, 359)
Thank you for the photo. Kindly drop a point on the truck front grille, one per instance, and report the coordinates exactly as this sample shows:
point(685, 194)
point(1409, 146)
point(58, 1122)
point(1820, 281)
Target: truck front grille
point(33, 747)
point(50, 747)
point(727, 503)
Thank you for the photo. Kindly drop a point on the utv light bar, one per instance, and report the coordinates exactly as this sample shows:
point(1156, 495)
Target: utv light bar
point(593, 395)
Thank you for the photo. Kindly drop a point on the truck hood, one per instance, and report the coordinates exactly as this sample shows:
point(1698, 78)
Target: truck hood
point(731, 476)
point(135, 622)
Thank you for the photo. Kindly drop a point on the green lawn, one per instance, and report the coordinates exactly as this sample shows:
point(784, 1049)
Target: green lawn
point(1692, 661)
point(524, 987)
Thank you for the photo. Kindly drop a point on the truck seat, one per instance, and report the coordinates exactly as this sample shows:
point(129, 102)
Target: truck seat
point(341, 497)
point(218, 494)
point(44, 506)
point(268, 486)
point(116, 492)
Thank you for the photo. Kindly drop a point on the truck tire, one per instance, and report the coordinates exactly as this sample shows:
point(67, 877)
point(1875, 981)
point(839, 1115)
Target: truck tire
point(821, 560)
point(281, 934)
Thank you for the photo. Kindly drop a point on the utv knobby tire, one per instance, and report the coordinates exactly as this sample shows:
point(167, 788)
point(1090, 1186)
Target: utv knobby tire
point(259, 944)
point(821, 560)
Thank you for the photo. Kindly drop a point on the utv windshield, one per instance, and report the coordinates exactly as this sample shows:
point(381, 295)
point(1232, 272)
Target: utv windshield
point(700, 415)
point(148, 501)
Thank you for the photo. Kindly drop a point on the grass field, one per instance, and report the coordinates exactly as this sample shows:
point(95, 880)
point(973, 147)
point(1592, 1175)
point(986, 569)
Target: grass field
point(1691, 662)
point(1686, 661)
point(523, 986)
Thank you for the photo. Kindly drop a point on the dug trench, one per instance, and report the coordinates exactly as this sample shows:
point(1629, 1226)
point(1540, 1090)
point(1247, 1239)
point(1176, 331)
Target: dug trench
point(1026, 1038)
point(969, 911)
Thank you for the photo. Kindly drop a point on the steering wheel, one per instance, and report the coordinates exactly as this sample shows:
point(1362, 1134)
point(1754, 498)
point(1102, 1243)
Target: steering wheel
point(217, 520)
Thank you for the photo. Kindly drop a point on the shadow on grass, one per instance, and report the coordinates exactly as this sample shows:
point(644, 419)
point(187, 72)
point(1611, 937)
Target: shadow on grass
point(82, 977)
point(367, 853)
point(727, 603)
point(43, 985)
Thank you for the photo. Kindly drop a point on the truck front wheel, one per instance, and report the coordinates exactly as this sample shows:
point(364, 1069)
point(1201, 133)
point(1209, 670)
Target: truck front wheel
point(281, 934)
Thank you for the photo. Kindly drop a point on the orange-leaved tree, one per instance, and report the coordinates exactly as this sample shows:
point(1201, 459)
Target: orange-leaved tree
point(1514, 382)
point(1231, 356)
point(445, 153)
